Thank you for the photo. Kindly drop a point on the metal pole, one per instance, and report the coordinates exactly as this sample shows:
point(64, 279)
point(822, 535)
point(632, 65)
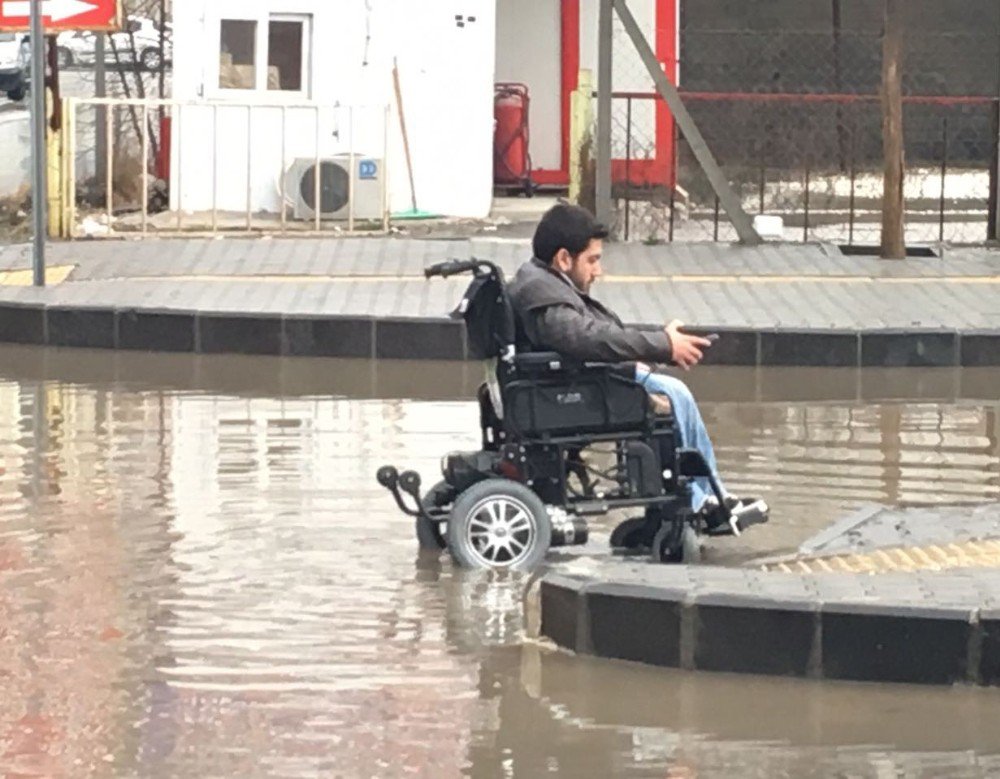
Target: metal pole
point(386, 119)
point(176, 130)
point(39, 187)
point(993, 217)
point(628, 163)
point(109, 159)
point(993, 220)
point(994, 229)
point(284, 168)
point(145, 168)
point(727, 196)
point(944, 177)
point(163, 55)
point(805, 227)
point(350, 178)
point(605, 53)
point(249, 168)
point(317, 194)
point(215, 167)
point(100, 90)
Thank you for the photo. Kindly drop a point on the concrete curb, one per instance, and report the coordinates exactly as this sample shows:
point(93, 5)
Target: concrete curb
point(773, 627)
point(217, 332)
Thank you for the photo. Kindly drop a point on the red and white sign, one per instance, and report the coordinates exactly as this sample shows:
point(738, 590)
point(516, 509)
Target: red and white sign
point(60, 15)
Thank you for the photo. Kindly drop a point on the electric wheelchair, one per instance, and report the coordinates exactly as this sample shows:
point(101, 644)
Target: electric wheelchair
point(530, 487)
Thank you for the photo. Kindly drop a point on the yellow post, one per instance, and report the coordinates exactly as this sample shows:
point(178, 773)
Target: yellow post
point(55, 170)
point(581, 130)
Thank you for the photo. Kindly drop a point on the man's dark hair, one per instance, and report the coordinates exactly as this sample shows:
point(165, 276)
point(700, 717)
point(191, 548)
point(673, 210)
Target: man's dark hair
point(568, 227)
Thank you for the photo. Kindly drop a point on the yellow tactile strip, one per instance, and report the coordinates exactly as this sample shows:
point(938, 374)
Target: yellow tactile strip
point(936, 557)
point(56, 274)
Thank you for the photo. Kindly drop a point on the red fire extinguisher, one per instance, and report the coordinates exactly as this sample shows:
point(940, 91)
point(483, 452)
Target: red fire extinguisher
point(511, 154)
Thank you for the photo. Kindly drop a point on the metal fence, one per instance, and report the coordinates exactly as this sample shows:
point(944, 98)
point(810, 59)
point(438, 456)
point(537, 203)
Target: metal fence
point(193, 167)
point(793, 116)
point(828, 187)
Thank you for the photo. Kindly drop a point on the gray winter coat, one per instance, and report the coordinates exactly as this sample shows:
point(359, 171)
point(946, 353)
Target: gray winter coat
point(553, 315)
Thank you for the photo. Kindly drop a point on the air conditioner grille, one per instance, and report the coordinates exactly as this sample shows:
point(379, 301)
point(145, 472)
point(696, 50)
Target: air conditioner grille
point(334, 187)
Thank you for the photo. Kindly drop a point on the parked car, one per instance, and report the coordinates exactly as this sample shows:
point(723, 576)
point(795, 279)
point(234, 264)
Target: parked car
point(13, 67)
point(80, 48)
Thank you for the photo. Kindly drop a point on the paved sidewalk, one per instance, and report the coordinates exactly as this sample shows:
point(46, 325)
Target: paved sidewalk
point(921, 610)
point(787, 288)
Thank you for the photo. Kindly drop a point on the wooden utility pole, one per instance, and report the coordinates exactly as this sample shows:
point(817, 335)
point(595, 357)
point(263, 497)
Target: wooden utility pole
point(893, 205)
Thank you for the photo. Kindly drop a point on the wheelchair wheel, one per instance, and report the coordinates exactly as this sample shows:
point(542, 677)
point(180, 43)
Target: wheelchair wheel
point(499, 524)
point(668, 547)
point(432, 535)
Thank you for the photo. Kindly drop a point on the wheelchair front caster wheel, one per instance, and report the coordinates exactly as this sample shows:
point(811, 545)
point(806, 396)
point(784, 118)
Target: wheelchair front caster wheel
point(432, 536)
point(668, 548)
point(499, 524)
point(634, 535)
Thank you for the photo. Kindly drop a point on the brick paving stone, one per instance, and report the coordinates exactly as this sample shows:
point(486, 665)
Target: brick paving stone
point(813, 294)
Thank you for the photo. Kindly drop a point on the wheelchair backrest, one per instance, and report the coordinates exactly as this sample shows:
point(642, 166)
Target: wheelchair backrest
point(490, 322)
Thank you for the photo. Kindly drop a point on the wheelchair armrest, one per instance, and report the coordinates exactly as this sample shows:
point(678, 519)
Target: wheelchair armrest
point(537, 362)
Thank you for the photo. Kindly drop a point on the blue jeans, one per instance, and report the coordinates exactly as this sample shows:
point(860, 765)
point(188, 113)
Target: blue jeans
point(689, 422)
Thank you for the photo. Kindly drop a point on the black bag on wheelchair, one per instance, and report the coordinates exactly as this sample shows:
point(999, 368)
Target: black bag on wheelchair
point(575, 402)
point(489, 317)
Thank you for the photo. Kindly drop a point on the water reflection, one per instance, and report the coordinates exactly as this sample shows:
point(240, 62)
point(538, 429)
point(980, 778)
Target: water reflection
point(199, 576)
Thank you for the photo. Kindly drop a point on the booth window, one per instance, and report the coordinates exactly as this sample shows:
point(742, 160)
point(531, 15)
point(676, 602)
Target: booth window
point(282, 41)
point(238, 54)
point(286, 43)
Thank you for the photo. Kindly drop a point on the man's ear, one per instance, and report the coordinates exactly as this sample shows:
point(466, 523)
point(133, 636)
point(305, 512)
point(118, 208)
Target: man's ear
point(563, 261)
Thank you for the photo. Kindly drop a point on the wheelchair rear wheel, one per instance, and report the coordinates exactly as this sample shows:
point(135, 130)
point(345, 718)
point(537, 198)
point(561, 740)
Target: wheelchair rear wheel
point(499, 524)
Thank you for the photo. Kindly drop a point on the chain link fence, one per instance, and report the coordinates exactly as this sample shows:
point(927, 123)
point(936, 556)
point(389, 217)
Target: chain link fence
point(787, 98)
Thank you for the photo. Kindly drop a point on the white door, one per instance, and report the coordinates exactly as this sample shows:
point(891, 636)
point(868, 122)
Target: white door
point(529, 52)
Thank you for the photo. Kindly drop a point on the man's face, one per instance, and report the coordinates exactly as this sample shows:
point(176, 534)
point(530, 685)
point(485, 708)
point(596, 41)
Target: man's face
point(584, 269)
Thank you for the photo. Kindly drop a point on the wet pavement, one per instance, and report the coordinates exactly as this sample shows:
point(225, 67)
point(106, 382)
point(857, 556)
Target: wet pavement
point(200, 577)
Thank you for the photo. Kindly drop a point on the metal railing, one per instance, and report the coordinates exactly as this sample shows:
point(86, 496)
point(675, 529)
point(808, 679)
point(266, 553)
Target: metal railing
point(136, 136)
point(825, 183)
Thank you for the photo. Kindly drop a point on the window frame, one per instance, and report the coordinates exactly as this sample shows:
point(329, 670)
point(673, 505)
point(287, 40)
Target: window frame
point(306, 20)
point(260, 92)
point(233, 91)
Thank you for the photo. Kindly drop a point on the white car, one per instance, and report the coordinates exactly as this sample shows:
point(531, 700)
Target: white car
point(13, 75)
point(79, 48)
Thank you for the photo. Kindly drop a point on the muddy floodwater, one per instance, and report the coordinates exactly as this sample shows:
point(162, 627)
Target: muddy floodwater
point(199, 577)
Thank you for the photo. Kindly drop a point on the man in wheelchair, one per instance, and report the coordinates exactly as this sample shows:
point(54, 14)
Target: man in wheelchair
point(565, 378)
point(555, 312)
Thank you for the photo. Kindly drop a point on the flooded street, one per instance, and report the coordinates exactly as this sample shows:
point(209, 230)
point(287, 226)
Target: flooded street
point(199, 576)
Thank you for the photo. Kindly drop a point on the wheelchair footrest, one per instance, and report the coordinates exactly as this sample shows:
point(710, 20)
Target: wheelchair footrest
point(743, 518)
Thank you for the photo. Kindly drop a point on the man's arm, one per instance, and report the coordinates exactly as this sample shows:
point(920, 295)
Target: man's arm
point(565, 330)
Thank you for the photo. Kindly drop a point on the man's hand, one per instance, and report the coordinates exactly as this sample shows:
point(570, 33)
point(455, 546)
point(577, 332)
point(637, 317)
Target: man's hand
point(687, 349)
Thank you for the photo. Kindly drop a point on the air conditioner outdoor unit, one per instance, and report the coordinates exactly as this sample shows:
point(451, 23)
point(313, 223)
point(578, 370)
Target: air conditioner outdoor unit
point(335, 187)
